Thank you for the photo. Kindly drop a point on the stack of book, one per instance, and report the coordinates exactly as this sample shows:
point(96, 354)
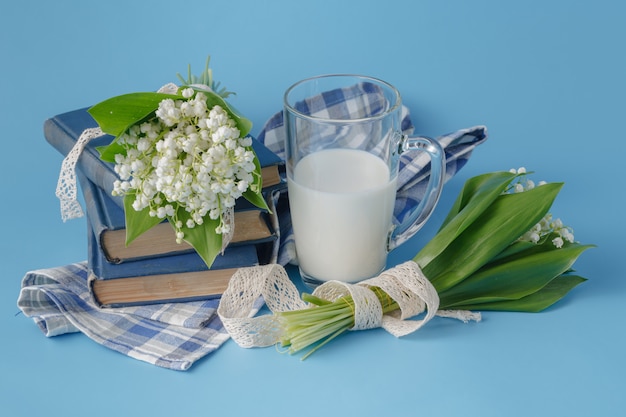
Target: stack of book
point(154, 268)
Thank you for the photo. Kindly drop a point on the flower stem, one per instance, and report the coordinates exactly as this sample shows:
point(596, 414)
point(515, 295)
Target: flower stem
point(323, 321)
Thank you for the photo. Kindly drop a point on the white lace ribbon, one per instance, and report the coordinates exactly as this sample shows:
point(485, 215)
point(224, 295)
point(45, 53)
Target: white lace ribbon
point(236, 306)
point(229, 218)
point(405, 284)
point(66, 185)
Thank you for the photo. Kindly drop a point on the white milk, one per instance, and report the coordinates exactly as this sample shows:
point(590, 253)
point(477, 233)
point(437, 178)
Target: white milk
point(341, 207)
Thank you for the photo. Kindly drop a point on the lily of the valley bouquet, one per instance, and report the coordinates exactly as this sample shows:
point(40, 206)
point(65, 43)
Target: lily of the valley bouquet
point(182, 154)
point(499, 248)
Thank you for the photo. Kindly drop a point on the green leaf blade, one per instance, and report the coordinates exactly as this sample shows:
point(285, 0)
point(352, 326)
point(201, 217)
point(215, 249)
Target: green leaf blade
point(107, 153)
point(137, 222)
point(256, 199)
point(202, 238)
point(502, 223)
point(554, 291)
point(480, 190)
point(117, 114)
point(519, 277)
point(475, 197)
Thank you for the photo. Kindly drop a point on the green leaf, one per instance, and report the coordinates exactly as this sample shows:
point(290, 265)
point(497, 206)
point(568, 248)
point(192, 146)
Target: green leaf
point(202, 238)
point(516, 277)
point(108, 152)
point(520, 249)
point(477, 194)
point(514, 248)
point(535, 302)
point(117, 114)
point(137, 222)
point(256, 198)
point(480, 190)
point(507, 218)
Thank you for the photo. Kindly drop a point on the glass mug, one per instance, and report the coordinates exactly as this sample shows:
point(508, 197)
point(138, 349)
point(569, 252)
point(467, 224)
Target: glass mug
point(343, 147)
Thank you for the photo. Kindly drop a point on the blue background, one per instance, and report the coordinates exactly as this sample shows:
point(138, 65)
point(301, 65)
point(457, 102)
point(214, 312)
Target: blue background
point(546, 77)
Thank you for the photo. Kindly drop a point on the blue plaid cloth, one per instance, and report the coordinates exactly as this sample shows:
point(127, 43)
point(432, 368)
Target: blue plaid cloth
point(175, 335)
point(172, 335)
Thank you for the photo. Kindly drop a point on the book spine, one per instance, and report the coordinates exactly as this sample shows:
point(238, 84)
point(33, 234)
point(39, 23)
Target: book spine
point(107, 219)
point(95, 214)
point(243, 255)
point(171, 299)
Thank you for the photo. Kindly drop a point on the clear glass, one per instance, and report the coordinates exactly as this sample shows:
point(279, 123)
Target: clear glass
point(344, 142)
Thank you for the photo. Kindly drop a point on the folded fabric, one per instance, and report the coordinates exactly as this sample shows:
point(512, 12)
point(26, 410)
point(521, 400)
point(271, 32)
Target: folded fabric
point(172, 335)
point(175, 335)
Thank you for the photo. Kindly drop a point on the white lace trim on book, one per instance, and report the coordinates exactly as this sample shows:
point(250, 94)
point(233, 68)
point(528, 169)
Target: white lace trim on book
point(66, 186)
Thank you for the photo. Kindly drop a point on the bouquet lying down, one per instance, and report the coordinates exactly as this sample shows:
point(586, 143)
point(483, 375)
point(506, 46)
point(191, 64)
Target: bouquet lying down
point(498, 249)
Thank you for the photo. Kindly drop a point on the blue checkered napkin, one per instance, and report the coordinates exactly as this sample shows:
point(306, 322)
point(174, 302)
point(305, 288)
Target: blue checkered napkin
point(361, 100)
point(172, 335)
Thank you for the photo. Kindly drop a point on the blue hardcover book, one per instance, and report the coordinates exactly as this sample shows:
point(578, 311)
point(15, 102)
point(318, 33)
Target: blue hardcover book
point(62, 132)
point(173, 278)
point(252, 226)
point(184, 262)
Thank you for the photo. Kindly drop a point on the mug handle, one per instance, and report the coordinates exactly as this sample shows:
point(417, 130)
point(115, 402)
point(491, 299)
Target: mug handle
point(418, 216)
